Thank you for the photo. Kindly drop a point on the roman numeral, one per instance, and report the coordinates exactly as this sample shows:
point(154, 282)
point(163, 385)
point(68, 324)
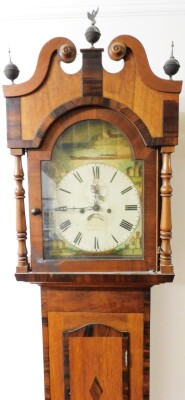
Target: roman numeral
point(77, 176)
point(64, 190)
point(130, 207)
point(126, 190)
point(126, 225)
point(113, 177)
point(78, 238)
point(96, 243)
point(114, 238)
point(96, 171)
point(65, 225)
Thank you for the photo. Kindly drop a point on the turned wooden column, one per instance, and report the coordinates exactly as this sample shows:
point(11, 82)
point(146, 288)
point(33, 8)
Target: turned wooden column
point(166, 221)
point(21, 227)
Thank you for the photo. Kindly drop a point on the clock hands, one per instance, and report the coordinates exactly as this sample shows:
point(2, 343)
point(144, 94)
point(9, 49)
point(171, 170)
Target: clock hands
point(95, 207)
point(95, 188)
point(66, 208)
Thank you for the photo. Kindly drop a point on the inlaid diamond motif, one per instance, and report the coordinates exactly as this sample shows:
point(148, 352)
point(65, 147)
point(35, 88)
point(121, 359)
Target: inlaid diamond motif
point(96, 389)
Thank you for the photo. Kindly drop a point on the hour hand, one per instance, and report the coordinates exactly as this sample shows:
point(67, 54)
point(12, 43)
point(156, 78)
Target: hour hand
point(65, 208)
point(62, 208)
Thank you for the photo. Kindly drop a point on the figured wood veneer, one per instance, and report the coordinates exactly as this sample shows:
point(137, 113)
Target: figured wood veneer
point(123, 310)
point(113, 296)
point(59, 322)
point(96, 359)
point(135, 86)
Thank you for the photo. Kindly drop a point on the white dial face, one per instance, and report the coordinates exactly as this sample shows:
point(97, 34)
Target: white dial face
point(97, 208)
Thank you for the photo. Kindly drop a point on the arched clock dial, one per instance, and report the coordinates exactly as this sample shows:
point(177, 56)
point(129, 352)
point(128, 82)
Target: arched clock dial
point(97, 208)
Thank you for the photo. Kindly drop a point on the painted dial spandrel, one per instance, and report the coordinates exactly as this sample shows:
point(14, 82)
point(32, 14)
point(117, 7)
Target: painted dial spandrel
point(91, 185)
point(97, 208)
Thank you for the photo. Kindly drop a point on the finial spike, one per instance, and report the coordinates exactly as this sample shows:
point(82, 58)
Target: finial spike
point(9, 51)
point(172, 46)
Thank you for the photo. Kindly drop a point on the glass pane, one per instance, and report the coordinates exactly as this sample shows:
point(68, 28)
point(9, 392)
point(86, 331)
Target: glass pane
point(92, 195)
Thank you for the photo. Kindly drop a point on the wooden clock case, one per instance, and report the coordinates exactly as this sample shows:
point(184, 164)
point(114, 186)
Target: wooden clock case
point(95, 313)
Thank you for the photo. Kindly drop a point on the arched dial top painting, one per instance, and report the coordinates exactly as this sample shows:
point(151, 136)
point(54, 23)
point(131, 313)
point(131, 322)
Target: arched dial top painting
point(92, 194)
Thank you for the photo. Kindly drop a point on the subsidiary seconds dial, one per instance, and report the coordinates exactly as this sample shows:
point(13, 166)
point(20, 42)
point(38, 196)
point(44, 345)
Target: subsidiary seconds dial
point(97, 208)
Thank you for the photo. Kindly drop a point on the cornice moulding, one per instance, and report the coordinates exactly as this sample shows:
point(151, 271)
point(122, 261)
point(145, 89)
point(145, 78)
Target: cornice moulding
point(115, 11)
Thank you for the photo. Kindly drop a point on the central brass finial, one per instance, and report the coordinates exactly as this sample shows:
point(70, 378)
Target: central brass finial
point(92, 34)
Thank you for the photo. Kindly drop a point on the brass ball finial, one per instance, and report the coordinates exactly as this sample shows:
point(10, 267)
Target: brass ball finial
point(172, 65)
point(11, 71)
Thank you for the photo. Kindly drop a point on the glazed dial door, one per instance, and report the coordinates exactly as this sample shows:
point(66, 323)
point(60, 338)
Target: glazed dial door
point(96, 208)
point(92, 195)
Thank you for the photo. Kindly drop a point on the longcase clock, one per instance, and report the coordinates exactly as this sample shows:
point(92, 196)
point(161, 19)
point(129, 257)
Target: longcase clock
point(98, 149)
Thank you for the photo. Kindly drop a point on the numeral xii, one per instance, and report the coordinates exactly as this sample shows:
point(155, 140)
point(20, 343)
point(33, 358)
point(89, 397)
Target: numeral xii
point(96, 171)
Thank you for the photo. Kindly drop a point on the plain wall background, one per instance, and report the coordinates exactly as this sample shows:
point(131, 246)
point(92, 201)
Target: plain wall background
point(25, 28)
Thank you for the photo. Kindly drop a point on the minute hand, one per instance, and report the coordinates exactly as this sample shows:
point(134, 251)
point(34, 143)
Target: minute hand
point(65, 208)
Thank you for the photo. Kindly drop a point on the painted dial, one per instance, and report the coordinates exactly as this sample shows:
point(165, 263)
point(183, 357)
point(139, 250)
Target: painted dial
point(97, 208)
